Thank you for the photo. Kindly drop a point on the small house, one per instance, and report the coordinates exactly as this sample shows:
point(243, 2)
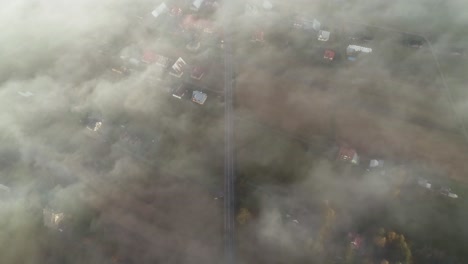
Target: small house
point(199, 97)
point(329, 55)
point(159, 10)
point(323, 35)
point(348, 154)
point(352, 51)
point(177, 70)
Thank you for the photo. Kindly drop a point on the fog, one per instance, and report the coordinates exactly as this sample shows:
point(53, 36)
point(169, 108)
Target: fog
point(158, 200)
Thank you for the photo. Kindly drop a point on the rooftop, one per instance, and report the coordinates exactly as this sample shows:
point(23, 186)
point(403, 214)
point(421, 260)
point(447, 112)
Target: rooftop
point(323, 35)
point(199, 97)
point(348, 154)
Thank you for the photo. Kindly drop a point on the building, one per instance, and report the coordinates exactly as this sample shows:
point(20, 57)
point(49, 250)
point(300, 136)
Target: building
point(424, 183)
point(177, 70)
point(163, 61)
point(199, 97)
point(348, 154)
point(198, 72)
point(376, 164)
point(329, 55)
point(254, 8)
point(356, 240)
point(304, 23)
point(196, 5)
point(179, 91)
point(193, 45)
point(446, 191)
point(352, 51)
point(191, 22)
point(149, 57)
point(258, 36)
point(93, 124)
point(159, 10)
point(53, 220)
point(323, 35)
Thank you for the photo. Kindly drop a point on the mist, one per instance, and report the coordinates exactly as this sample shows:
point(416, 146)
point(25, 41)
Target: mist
point(148, 186)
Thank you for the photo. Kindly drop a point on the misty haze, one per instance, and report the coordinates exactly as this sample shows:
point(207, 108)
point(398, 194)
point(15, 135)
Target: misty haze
point(247, 132)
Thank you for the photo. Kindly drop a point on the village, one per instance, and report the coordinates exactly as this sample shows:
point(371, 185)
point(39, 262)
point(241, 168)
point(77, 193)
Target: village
point(337, 129)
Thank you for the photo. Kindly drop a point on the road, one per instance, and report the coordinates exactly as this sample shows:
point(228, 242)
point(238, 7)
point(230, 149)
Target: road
point(229, 210)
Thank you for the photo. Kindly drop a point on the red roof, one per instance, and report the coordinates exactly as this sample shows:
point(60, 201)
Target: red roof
point(198, 72)
point(191, 22)
point(346, 153)
point(259, 36)
point(329, 54)
point(149, 57)
point(176, 11)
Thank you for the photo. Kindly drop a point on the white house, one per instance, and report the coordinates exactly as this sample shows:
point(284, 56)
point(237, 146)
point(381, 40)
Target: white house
point(159, 10)
point(196, 4)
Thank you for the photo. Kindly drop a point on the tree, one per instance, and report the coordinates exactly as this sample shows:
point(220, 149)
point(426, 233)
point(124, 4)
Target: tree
point(243, 216)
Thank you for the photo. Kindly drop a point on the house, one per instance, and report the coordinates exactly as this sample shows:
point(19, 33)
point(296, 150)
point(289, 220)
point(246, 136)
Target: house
point(424, 183)
point(129, 60)
point(94, 124)
point(304, 23)
point(179, 91)
point(376, 164)
point(329, 55)
point(52, 219)
point(196, 4)
point(149, 57)
point(323, 35)
point(191, 22)
point(356, 240)
point(251, 10)
point(194, 44)
point(199, 97)
point(448, 192)
point(198, 72)
point(177, 70)
point(413, 41)
point(258, 36)
point(159, 10)
point(352, 51)
point(176, 12)
point(129, 138)
point(254, 8)
point(163, 61)
point(348, 154)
